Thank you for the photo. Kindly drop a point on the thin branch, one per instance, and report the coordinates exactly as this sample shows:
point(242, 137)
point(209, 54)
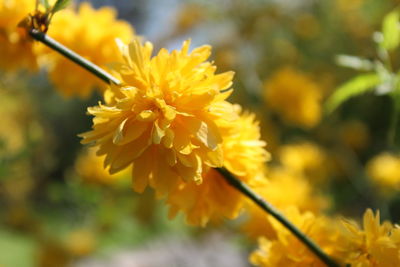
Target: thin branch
point(84, 63)
point(262, 203)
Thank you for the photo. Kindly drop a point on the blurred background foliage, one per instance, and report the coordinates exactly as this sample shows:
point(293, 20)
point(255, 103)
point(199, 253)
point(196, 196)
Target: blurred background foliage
point(58, 206)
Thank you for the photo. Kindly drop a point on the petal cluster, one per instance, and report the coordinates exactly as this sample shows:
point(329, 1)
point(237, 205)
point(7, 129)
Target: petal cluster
point(295, 97)
point(163, 119)
point(374, 244)
point(214, 199)
point(16, 49)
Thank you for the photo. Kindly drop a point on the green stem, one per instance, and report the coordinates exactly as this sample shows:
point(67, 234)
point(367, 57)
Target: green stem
point(262, 203)
point(393, 124)
point(84, 63)
point(241, 187)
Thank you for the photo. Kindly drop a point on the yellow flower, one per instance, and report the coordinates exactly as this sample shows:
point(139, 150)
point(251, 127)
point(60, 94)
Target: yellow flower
point(243, 150)
point(283, 189)
point(188, 16)
point(349, 6)
point(286, 250)
point(89, 167)
point(306, 159)
point(80, 242)
point(294, 96)
point(163, 119)
point(307, 26)
point(383, 169)
point(90, 33)
point(215, 199)
point(16, 49)
point(374, 245)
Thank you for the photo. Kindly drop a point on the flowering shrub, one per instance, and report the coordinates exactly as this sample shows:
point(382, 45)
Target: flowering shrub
point(171, 121)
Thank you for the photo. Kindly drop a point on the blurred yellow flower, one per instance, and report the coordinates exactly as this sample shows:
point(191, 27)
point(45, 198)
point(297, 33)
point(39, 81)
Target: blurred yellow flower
point(90, 169)
point(283, 189)
point(189, 16)
point(80, 242)
point(384, 171)
point(286, 250)
point(295, 96)
point(90, 33)
point(347, 6)
point(306, 159)
point(164, 119)
point(16, 49)
point(307, 26)
point(375, 245)
point(215, 199)
point(355, 20)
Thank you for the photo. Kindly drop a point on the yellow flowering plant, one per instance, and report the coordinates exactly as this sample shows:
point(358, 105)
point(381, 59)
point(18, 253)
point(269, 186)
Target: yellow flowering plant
point(165, 117)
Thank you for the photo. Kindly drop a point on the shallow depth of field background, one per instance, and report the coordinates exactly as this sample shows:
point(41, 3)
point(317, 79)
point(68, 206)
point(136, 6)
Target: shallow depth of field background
point(52, 214)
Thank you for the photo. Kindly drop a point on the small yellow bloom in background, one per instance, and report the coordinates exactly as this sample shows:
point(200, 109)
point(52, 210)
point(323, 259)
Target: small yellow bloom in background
point(163, 120)
point(283, 189)
point(375, 244)
point(384, 171)
point(189, 16)
point(348, 6)
point(307, 26)
point(306, 159)
point(286, 250)
point(16, 49)
point(90, 169)
point(294, 96)
point(80, 242)
point(91, 33)
point(214, 199)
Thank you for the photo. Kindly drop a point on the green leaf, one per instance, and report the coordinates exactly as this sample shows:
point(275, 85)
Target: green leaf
point(45, 3)
point(391, 31)
point(354, 62)
point(356, 86)
point(59, 5)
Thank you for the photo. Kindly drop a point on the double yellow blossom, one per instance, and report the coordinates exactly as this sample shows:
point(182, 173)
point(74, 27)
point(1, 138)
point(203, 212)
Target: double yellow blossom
point(373, 245)
point(16, 49)
point(305, 159)
point(295, 96)
point(162, 120)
